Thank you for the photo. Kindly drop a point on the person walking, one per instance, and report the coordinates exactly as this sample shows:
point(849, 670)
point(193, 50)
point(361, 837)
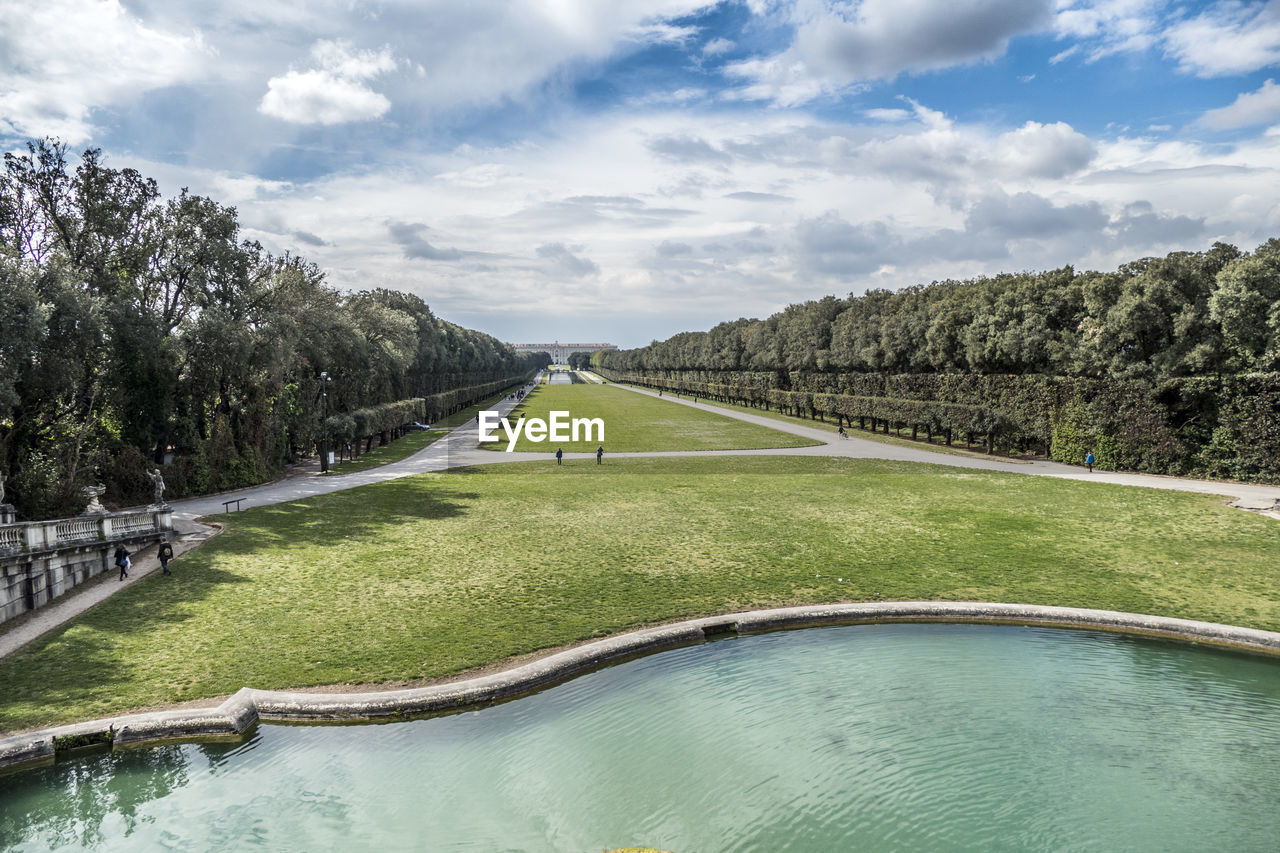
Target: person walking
point(599, 453)
point(559, 456)
point(165, 554)
point(1088, 460)
point(122, 560)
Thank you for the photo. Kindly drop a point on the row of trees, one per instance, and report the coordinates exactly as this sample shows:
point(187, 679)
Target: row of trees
point(135, 330)
point(1166, 365)
point(1186, 314)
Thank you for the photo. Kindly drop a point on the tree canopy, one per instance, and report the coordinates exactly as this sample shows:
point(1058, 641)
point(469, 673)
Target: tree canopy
point(1186, 314)
point(132, 327)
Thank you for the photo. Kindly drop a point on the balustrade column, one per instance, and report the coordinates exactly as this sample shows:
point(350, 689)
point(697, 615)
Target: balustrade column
point(37, 536)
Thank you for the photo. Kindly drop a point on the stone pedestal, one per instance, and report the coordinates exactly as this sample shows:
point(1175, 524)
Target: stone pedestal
point(7, 514)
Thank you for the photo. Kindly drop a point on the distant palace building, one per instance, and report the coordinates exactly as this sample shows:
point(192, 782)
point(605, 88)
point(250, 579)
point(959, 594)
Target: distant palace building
point(560, 352)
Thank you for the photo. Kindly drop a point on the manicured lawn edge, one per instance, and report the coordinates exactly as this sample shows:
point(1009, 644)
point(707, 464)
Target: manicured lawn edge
point(249, 706)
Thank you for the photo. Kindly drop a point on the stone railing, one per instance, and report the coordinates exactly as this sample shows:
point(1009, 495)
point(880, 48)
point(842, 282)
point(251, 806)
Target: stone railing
point(52, 535)
point(40, 560)
point(12, 538)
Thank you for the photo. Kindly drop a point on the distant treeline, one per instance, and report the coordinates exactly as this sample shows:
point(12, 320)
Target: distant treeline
point(1166, 365)
point(136, 329)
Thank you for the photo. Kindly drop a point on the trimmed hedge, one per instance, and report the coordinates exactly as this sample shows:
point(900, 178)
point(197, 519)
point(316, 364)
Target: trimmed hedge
point(386, 421)
point(1205, 426)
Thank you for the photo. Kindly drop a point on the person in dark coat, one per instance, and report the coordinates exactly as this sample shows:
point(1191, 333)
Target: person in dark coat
point(599, 453)
point(559, 456)
point(165, 554)
point(122, 560)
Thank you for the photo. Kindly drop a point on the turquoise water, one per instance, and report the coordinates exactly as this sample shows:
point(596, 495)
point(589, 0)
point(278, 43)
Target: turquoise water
point(891, 737)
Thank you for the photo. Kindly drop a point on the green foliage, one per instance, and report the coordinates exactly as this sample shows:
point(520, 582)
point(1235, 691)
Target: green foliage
point(1007, 356)
point(133, 326)
point(63, 743)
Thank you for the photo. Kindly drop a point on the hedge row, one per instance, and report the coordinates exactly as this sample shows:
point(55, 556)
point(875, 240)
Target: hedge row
point(380, 420)
point(1216, 427)
point(387, 420)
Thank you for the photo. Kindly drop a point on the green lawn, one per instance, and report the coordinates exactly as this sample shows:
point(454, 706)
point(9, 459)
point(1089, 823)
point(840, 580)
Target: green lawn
point(440, 573)
point(402, 448)
point(634, 422)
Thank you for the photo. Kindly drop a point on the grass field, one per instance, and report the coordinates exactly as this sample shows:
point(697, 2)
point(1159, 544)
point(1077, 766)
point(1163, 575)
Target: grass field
point(402, 448)
point(440, 573)
point(634, 422)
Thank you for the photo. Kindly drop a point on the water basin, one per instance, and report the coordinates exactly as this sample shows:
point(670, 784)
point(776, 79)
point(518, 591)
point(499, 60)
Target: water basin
point(888, 737)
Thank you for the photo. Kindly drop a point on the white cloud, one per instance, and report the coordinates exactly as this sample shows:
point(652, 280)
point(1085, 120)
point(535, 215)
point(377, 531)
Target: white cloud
point(333, 93)
point(62, 59)
point(839, 45)
point(1248, 109)
point(947, 156)
point(717, 46)
point(795, 207)
point(1229, 38)
point(879, 114)
point(884, 38)
point(1105, 27)
point(1044, 150)
point(563, 262)
point(1064, 55)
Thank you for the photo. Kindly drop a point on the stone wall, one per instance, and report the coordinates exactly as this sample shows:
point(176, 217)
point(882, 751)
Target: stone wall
point(41, 560)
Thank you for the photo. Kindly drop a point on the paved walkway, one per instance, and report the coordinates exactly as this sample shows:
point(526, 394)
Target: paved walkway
point(459, 449)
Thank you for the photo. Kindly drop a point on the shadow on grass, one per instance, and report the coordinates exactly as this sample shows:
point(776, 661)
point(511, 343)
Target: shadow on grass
point(80, 662)
point(335, 519)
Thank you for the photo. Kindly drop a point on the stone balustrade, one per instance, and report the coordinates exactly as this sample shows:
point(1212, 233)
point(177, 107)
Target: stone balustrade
point(40, 560)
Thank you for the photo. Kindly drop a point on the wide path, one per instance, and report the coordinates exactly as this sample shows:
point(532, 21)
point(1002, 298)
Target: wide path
point(458, 449)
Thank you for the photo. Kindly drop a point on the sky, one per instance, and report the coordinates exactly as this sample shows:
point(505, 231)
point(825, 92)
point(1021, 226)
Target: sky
point(621, 171)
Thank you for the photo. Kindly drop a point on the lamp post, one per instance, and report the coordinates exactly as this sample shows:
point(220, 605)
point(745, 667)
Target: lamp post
point(324, 422)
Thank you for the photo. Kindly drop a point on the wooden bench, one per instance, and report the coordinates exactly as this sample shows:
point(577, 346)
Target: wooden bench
point(226, 505)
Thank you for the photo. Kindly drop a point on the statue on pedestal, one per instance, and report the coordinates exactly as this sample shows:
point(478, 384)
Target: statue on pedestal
point(6, 510)
point(157, 481)
point(91, 494)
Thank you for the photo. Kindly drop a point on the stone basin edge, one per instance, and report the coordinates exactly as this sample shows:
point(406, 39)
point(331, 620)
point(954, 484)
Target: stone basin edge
point(249, 706)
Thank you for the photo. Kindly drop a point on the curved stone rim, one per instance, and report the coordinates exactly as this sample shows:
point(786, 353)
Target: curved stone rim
point(248, 706)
